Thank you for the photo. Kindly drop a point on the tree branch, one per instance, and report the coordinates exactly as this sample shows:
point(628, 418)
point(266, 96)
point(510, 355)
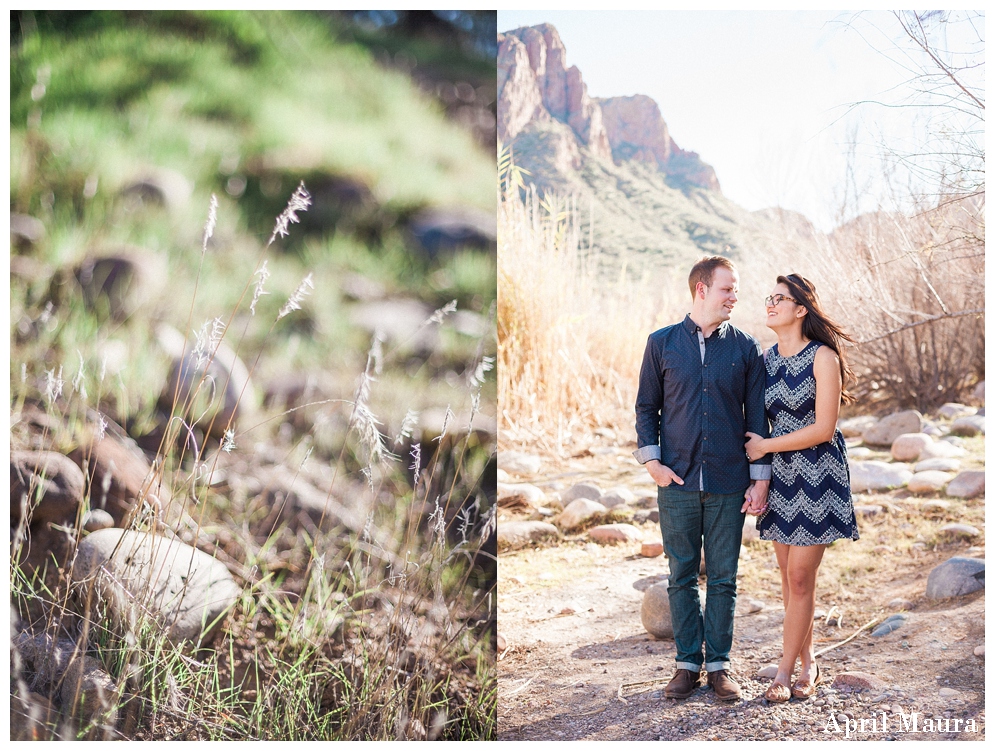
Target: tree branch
point(923, 322)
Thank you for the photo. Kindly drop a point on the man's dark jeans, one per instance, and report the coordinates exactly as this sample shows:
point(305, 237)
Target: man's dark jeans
point(687, 516)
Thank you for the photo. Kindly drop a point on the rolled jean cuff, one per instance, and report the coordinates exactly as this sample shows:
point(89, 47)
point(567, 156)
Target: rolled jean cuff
point(711, 667)
point(689, 666)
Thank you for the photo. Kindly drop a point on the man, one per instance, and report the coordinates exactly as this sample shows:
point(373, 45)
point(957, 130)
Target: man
point(701, 388)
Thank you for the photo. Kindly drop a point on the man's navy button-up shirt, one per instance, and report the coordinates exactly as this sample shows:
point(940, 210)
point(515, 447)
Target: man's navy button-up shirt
point(692, 413)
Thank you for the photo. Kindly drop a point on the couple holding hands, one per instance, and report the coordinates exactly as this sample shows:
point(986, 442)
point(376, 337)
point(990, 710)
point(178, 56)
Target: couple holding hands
point(707, 394)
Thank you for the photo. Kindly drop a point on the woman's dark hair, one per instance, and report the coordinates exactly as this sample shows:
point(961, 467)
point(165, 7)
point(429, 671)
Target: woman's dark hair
point(821, 328)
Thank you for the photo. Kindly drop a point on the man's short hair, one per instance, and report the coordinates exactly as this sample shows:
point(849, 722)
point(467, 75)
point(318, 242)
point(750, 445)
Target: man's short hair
point(704, 270)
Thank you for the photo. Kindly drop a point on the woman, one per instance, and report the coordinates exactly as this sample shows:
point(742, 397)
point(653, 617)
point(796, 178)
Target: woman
point(808, 505)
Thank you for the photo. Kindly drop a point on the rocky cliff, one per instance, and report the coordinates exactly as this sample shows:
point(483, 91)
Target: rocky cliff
point(536, 89)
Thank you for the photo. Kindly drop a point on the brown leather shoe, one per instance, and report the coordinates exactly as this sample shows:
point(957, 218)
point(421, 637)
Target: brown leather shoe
point(725, 688)
point(805, 689)
point(682, 685)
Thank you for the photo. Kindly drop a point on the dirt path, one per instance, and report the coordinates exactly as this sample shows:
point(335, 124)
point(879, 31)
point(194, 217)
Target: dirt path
point(579, 665)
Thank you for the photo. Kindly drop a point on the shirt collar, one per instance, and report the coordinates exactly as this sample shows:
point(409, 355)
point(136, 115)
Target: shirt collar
point(691, 327)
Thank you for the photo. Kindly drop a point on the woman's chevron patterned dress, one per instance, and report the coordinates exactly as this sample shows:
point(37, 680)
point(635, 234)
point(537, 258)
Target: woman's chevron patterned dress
point(809, 500)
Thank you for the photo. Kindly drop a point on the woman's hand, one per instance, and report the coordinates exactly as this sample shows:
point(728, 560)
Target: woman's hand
point(754, 447)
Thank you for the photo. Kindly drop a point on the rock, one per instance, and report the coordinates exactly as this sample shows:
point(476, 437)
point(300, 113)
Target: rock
point(46, 657)
point(968, 484)
point(609, 534)
point(948, 693)
point(514, 535)
point(655, 612)
point(750, 533)
point(116, 283)
point(891, 623)
point(118, 474)
point(518, 463)
point(582, 490)
point(767, 672)
point(441, 229)
point(647, 516)
point(141, 576)
point(400, 322)
point(930, 481)
point(854, 427)
point(160, 187)
point(617, 497)
point(46, 484)
point(875, 475)
point(934, 431)
point(968, 426)
point(960, 530)
point(884, 432)
point(97, 519)
point(940, 464)
point(979, 651)
point(502, 643)
point(858, 452)
point(979, 392)
point(520, 494)
point(88, 692)
point(651, 549)
point(751, 605)
point(935, 507)
point(908, 446)
point(943, 449)
point(858, 681)
point(26, 232)
point(32, 717)
point(867, 509)
point(953, 410)
point(955, 577)
point(580, 511)
point(899, 604)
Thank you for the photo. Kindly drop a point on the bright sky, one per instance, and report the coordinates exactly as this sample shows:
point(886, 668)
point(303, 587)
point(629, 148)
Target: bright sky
point(762, 96)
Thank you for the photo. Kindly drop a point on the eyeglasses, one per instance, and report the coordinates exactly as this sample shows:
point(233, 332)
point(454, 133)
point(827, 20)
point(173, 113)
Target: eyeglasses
point(775, 300)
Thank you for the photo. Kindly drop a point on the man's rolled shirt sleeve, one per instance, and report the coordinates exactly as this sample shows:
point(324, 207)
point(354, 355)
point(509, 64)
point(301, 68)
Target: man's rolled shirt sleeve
point(649, 407)
point(755, 411)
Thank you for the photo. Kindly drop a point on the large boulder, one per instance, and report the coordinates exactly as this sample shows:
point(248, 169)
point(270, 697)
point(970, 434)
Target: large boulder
point(955, 577)
point(582, 490)
point(519, 463)
point(578, 512)
point(519, 494)
point(141, 577)
point(513, 535)
point(941, 450)
point(930, 481)
point(908, 446)
point(116, 283)
point(44, 484)
point(971, 425)
point(609, 534)
point(885, 431)
point(655, 612)
point(854, 427)
point(875, 475)
point(968, 484)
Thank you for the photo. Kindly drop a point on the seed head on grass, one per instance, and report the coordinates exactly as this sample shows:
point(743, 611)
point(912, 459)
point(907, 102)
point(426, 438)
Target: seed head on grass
point(294, 303)
point(212, 220)
point(53, 385)
point(263, 275)
point(299, 201)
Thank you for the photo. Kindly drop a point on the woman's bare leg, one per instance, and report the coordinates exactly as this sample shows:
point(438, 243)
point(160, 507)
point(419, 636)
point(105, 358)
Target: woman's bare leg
point(798, 577)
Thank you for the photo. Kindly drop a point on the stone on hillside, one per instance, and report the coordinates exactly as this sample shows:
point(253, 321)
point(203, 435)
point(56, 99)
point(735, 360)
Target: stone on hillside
point(400, 322)
point(47, 483)
point(655, 612)
point(955, 577)
point(908, 446)
point(899, 604)
point(519, 463)
point(934, 431)
point(620, 496)
point(609, 534)
point(939, 464)
point(891, 623)
point(96, 519)
point(875, 475)
point(960, 530)
point(854, 427)
point(750, 533)
point(750, 605)
point(930, 481)
point(578, 512)
point(941, 449)
point(858, 681)
point(583, 490)
point(440, 229)
point(165, 188)
point(118, 282)
point(137, 575)
point(767, 672)
point(502, 643)
point(651, 516)
point(514, 535)
point(217, 381)
point(953, 410)
point(979, 651)
point(935, 507)
point(858, 452)
point(884, 432)
point(88, 692)
point(519, 494)
point(968, 484)
point(118, 474)
point(651, 549)
point(969, 426)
